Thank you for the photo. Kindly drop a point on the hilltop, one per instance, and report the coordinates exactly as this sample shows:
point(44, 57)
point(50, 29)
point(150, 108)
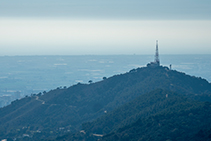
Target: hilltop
point(62, 111)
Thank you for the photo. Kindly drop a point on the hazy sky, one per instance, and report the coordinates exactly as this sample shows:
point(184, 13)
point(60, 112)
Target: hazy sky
point(78, 27)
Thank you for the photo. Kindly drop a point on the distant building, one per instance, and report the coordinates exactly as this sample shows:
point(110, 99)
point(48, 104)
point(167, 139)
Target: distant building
point(156, 62)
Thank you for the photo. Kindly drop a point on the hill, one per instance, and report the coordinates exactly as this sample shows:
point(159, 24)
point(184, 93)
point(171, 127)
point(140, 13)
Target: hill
point(188, 123)
point(59, 111)
point(145, 105)
point(158, 115)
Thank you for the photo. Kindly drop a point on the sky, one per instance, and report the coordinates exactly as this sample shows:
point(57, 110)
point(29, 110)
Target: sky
point(111, 27)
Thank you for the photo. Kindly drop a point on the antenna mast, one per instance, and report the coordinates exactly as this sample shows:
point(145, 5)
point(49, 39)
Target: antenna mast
point(157, 54)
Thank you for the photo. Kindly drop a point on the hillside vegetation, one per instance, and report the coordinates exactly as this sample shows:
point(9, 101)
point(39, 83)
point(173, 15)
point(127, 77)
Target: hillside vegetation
point(158, 115)
point(190, 122)
point(62, 111)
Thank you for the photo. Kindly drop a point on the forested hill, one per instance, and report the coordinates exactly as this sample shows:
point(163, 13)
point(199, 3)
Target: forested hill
point(158, 115)
point(174, 119)
point(64, 110)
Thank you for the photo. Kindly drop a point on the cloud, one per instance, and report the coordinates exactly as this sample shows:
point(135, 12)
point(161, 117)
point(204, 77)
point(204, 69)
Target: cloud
point(109, 9)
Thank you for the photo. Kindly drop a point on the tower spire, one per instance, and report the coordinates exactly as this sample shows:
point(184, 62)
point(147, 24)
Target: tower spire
point(157, 60)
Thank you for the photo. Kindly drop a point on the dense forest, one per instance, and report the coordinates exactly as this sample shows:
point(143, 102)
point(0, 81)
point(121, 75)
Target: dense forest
point(187, 123)
point(110, 107)
point(158, 115)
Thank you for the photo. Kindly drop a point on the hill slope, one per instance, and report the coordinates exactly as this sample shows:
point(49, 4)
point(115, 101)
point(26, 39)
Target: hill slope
point(143, 106)
point(64, 110)
point(158, 115)
point(188, 123)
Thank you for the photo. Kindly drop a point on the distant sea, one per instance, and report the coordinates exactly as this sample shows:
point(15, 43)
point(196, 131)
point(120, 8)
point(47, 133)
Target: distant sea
point(33, 74)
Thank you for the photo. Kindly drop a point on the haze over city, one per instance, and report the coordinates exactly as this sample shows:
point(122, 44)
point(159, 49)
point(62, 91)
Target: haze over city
point(94, 27)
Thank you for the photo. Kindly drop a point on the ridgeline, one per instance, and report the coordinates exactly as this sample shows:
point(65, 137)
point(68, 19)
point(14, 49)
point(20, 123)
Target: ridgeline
point(63, 111)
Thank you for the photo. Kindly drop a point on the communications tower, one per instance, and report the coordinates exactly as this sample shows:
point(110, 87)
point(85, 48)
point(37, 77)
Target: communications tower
point(157, 60)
